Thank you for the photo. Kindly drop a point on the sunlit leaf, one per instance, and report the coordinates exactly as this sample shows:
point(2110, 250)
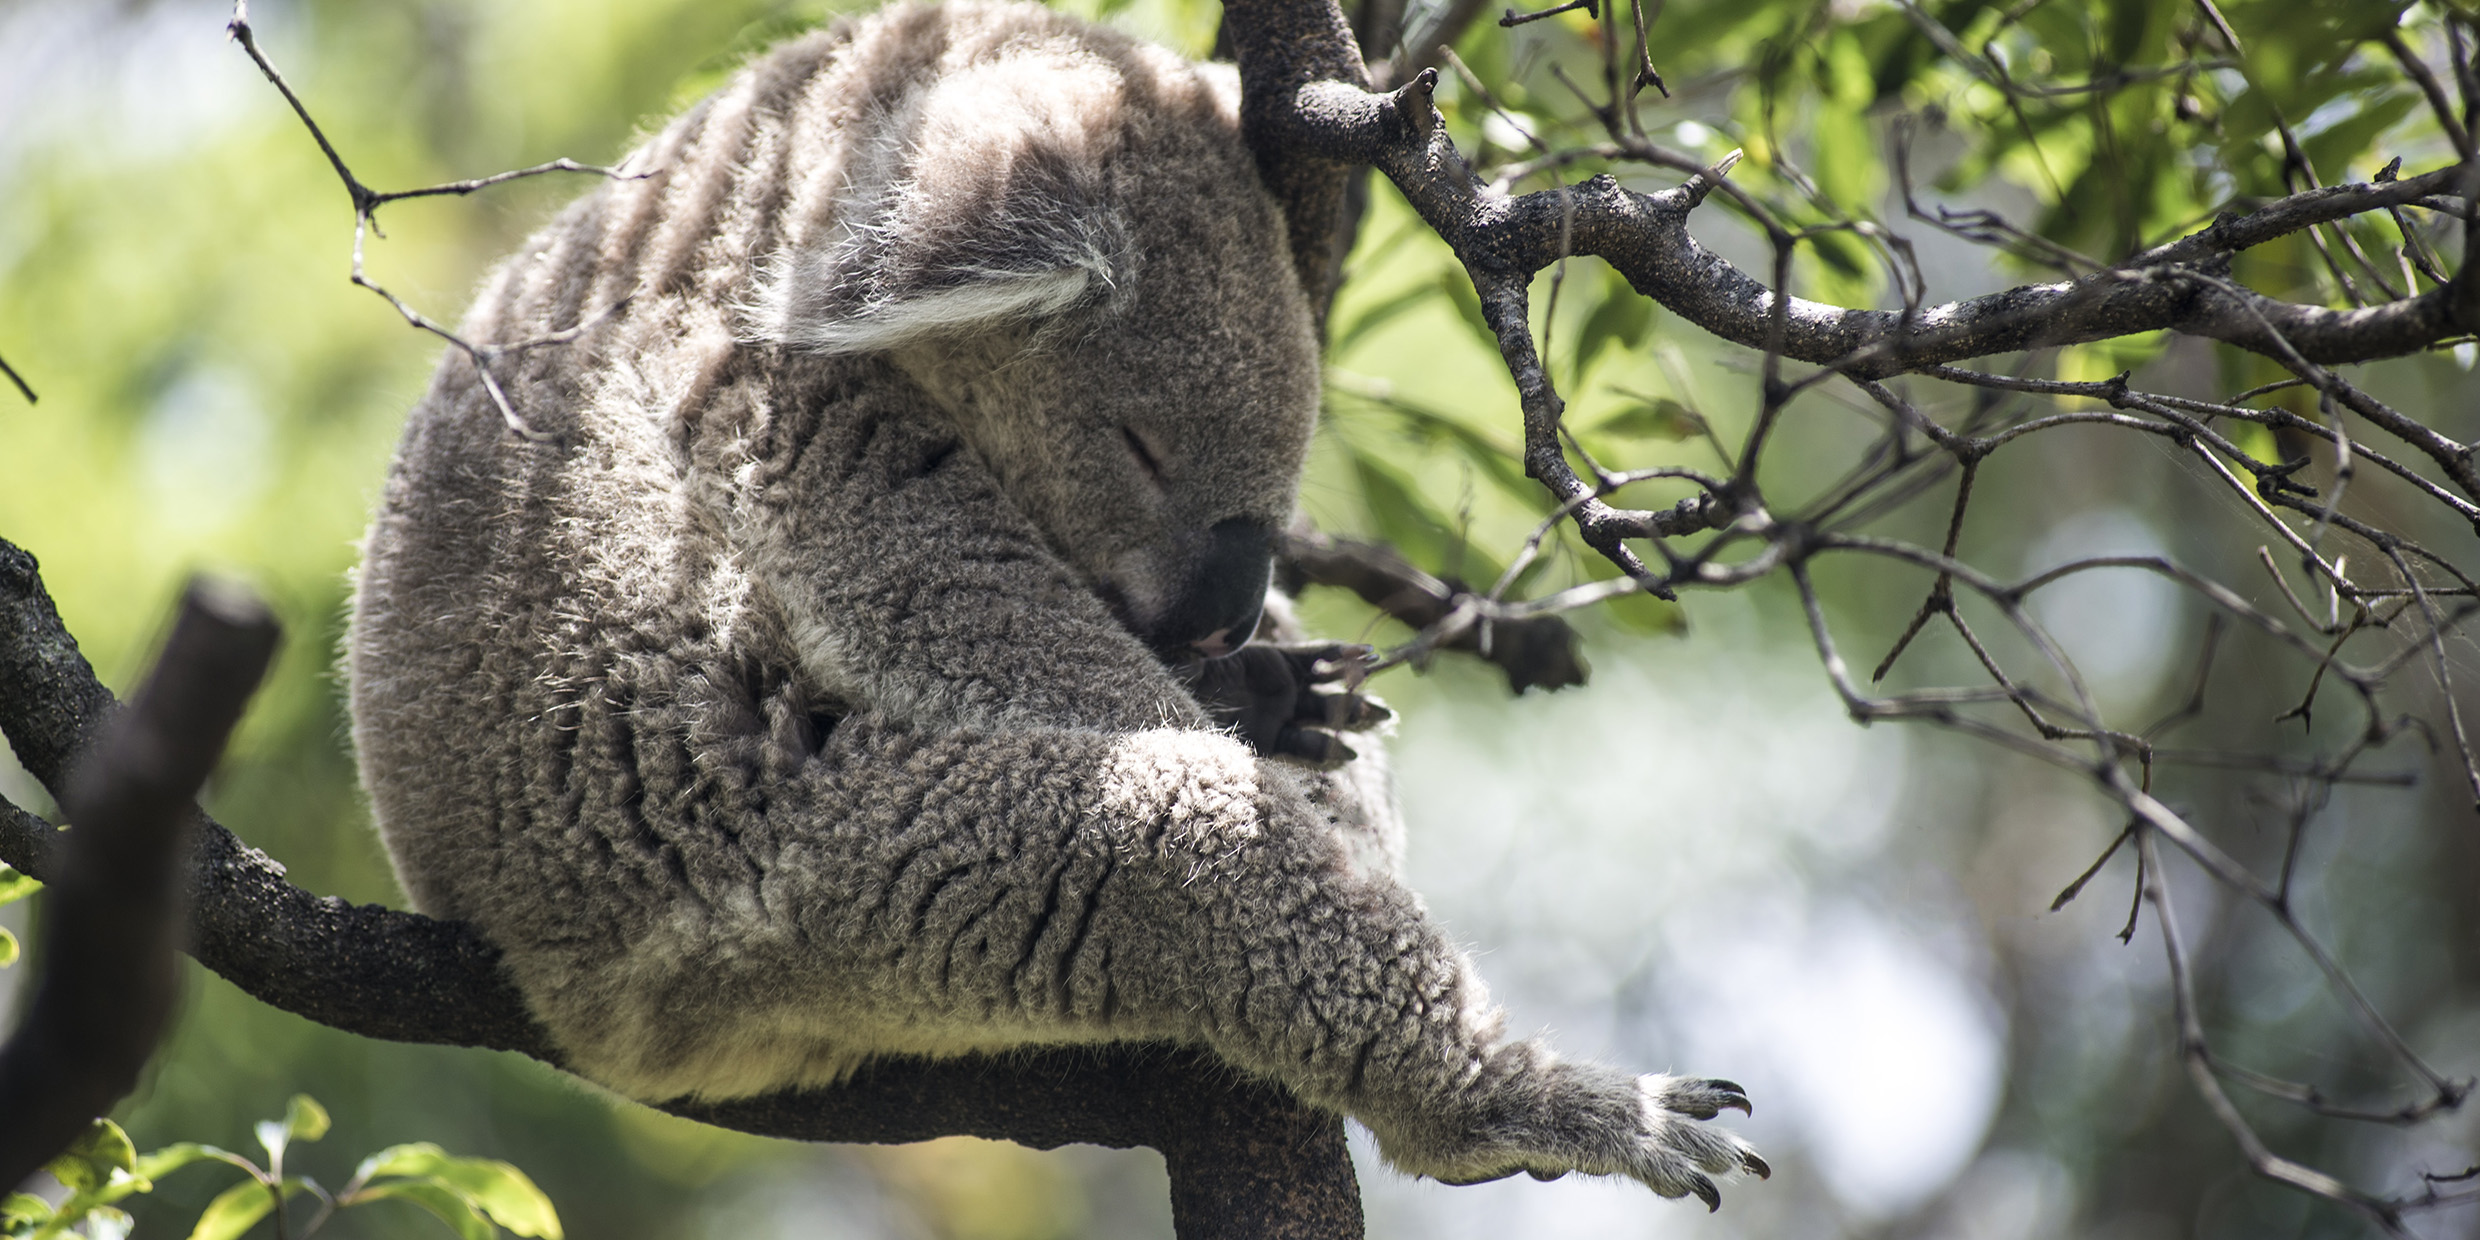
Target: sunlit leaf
point(1458, 290)
point(156, 1164)
point(16, 885)
point(1661, 418)
point(87, 1165)
point(1403, 517)
point(233, 1211)
point(499, 1189)
point(1371, 318)
point(435, 1195)
point(22, 1210)
point(508, 1195)
point(304, 1118)
point(1622, 318)
point(107, 1223)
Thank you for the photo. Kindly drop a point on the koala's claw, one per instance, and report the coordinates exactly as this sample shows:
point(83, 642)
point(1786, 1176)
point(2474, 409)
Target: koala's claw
point(1705, 1191)
point(1287, 700)
point(1707, 1099)
point(1756, 1166)
point(1318, 749)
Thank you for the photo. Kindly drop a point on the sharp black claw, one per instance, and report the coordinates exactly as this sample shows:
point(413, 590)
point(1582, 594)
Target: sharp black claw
point(1705, 1191)
point(1733, 1097)
point(1756, 1166)
point(1546, 1176)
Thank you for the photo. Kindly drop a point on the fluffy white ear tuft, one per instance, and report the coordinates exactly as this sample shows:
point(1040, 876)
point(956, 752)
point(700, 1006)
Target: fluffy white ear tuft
point(1000, 297)
point(902, 279)
point(976, 200)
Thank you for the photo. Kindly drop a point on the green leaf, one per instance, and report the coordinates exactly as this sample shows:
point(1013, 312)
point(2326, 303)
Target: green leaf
point(171, 1158)
point(412, 1158)
point(435, 1195)
point(1379, 315)
point(1621, 319)
point(107, 1223)
point(1499, 464)
point(500, 1189)
point(20, 1211)
point(87, 1165)
point(1661, 418)
point(1459, 290)
point(305, 1119)
point(508, 1195)
point(234, 1211)
point(15, 886)
point(8, 948)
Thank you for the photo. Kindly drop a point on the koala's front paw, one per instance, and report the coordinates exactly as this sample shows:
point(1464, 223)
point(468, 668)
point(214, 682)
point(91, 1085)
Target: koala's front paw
point(1675, 1153)
point(1649, 1128)
point(1288, 700)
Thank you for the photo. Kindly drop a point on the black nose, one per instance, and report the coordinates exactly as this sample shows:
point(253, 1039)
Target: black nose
point(1217, 609)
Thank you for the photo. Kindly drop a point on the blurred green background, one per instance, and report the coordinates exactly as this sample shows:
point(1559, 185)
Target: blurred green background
point(1693, 864)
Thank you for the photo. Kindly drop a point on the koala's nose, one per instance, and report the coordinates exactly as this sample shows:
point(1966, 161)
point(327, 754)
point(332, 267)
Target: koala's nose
point(1217, 613)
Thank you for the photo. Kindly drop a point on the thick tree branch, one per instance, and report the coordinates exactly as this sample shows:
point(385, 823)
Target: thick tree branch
point(1246, 1159)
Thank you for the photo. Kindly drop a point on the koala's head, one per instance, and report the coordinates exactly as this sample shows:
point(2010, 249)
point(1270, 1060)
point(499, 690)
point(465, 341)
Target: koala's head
point(1058, 234)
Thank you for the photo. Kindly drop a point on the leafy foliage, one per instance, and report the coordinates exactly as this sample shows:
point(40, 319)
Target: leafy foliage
point(474, 1197)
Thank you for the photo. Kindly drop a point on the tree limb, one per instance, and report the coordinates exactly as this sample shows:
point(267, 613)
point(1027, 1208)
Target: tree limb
point(1533, 651)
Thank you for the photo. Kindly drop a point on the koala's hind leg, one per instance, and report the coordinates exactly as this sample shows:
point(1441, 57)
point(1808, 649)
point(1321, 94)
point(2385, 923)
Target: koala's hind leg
point(1291, 964)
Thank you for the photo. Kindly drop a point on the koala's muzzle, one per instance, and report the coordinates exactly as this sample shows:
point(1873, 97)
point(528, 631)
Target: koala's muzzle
point(1222, 574)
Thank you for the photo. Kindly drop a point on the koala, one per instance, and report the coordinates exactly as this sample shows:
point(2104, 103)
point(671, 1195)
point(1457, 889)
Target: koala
point(841, 669)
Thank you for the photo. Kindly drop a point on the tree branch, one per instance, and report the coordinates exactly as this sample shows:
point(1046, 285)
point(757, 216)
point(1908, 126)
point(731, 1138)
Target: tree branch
point(1533, 651)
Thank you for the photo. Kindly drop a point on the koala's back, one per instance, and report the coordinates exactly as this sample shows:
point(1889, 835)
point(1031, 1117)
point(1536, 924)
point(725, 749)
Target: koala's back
point(574, 697)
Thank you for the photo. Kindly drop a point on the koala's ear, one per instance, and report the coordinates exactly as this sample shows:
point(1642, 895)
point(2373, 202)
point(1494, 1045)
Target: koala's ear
point(980, 199)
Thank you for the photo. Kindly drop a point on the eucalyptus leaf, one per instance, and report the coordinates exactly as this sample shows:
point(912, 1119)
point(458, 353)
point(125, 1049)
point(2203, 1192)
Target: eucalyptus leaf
point(19, 1211)
point(159, 1163)
point(16, 885)
point(234, 1211)
point(1661, 418)
point(87, 1165)
point(1621, 319)
point(499, 1189)
point(305, 1119)
point(435, 1195)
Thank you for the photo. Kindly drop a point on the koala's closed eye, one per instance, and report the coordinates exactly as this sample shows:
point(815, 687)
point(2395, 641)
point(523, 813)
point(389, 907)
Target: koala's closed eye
point(1148, 459)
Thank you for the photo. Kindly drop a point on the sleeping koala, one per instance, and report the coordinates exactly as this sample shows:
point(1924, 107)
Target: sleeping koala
point(821, 688)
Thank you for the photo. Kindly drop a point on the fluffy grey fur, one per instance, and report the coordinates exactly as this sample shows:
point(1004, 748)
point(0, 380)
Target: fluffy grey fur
point(801, 701)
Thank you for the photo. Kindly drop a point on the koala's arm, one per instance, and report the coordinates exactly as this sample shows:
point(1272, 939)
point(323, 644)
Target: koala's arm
point(913, 589)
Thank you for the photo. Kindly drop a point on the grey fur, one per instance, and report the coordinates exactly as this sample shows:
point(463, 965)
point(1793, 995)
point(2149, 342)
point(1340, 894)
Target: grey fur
point(789, 709)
